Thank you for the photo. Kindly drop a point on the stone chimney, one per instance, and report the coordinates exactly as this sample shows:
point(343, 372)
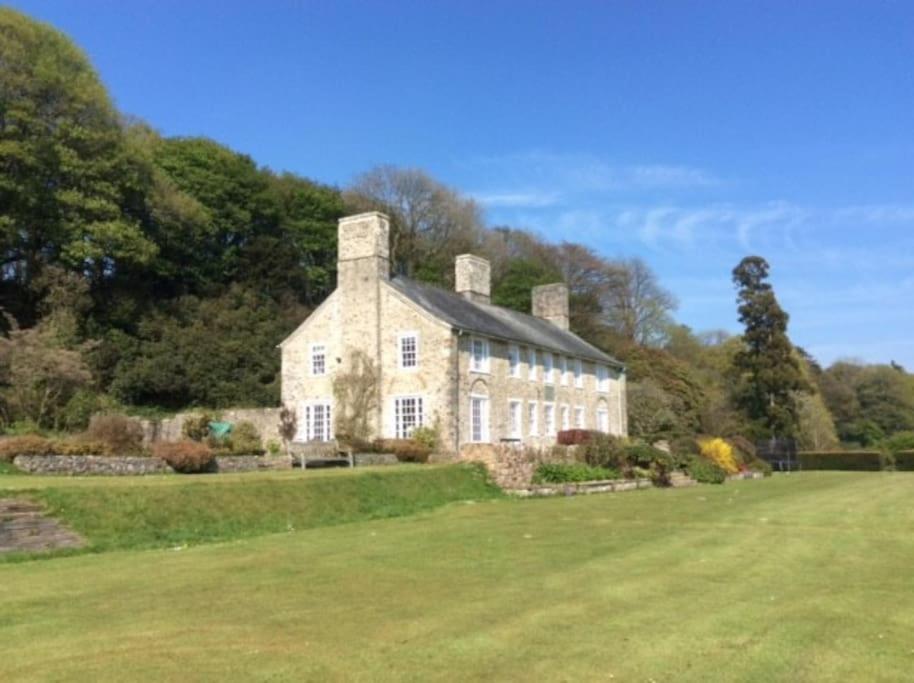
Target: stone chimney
point(550, 302)
point(473, 278)
point(363, 249)
point(363, 265)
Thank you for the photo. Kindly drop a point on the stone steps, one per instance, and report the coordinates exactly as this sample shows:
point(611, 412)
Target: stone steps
point(24, 527)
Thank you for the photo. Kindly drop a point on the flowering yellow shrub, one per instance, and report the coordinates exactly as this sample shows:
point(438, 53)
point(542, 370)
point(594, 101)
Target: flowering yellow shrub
point(720, 453)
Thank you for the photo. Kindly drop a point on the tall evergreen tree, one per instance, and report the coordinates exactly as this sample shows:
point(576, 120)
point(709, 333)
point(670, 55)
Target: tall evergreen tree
point(767, 369)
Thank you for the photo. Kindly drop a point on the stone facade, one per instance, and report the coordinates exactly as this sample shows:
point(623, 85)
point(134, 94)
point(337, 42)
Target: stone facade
point(418, 354)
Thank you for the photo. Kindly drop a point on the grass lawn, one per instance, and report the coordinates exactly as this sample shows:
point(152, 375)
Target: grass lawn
point(795, 578)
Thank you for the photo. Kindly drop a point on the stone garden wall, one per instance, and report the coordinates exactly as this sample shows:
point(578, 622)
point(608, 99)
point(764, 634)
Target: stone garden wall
point(510, 465)
point(83, 465)
point(75, 465)
point(251, 463)
point(266, 420)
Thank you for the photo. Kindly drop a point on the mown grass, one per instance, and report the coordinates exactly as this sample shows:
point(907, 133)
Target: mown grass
point(795, 578)
point(166, 511)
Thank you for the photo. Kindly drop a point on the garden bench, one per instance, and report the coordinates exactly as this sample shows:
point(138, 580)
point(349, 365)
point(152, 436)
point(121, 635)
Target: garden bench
point(320, 451)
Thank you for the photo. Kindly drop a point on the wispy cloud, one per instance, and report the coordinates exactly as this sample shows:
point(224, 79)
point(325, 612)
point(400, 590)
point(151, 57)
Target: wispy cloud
point(564, 177)
point(513, 199)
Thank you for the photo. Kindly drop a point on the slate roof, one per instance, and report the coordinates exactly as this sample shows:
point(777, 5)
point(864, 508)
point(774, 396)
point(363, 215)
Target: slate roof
point(496, 321)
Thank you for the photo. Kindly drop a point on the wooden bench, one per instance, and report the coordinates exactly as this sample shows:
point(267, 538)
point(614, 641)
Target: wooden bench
point(320, 451)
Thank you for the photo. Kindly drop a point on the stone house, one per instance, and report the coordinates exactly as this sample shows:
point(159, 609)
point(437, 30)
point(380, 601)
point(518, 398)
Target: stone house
point(476, 372)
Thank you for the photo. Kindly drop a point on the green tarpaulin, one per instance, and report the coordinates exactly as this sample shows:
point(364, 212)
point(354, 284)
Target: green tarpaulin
point(220, 430)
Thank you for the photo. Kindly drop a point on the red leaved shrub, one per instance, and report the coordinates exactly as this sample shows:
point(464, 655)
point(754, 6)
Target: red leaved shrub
point(406, 450)
point(30, 444)
point(573, 437)
point(123, 435)
point(187, 457)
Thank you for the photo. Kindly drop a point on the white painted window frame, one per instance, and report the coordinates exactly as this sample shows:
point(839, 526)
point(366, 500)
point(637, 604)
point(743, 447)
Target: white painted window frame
point(312, 352)
point(565, 412)
point(515, 427)
point(533, 423)
point(563, 370)
point(513, 361)
point(531, 365)
point(306, 413)
point(483, 369)
point(548, 368)
point(484, 417)
point(580, 417)
point(401, 338)
point(602, 374)
point(396, 404)
point(603, 420)
point(578, 373)
point(549, 424)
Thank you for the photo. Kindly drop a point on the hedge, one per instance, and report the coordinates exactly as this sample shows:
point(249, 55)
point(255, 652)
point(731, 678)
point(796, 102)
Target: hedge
point(857, 461)
point(904, 461)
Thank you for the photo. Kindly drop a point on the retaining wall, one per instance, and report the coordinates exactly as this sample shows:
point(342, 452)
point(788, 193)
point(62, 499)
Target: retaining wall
point(75, 465)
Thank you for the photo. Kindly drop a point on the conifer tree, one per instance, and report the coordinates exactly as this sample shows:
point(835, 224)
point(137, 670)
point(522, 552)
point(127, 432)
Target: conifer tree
point(767, 369)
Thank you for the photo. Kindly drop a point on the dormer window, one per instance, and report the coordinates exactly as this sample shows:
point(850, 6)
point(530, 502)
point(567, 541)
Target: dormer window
point(318, 360)
point(479, 355)
point(409, 350)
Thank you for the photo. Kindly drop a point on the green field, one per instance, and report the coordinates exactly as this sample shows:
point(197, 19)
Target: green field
point(795, 578)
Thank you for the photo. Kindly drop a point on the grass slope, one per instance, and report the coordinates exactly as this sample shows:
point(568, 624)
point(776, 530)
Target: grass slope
point(796, 578)
point(146, 512)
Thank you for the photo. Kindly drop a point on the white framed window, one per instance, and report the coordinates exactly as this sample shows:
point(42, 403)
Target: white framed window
point(563, 370)
point(578, 373)
point(603, 419)
point(408, 414)
point(479, 355)
point(315, 421)
point(566, 417)
point(602, 379)
point(318, 360)
point(549, 418)
point(580, 421)
point(531, 365)
point(479, 419)
point(408, 343)
point(513, 360)
point(515, 419)
point(547, 368)
point(532, 421)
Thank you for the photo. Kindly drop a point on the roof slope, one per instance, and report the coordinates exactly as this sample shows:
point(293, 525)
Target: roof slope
point(496, 321)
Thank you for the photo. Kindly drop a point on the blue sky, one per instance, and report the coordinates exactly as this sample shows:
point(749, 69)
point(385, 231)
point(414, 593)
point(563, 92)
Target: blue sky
point(687, 134)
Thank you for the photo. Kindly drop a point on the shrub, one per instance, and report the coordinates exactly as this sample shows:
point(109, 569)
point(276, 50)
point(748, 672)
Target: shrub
point(720, 453)
point(22, 428)
point(605, 450)
point(857, 461)
point(406, 450)
point(196, 427)
point(427, 436)
point(643, 455)
point(31, 444)
point(759, 465)
point(558, 473)
point(187, 457)
point(904, 461)
point(82, 446)
point(900, 441)
point(744, 448)
point(575, 437)
point(245, 440)
point(273, 447)
point(123, 435)
point(704, 471)
point(685, 446)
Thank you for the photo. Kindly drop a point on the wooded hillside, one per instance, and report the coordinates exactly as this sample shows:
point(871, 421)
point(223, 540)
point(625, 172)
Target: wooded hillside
point(155, 273)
